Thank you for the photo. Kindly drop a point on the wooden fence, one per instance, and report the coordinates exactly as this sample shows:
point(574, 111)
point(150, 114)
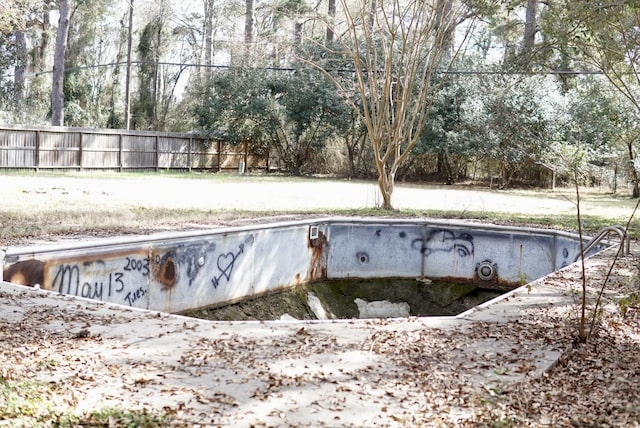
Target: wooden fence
point(80, 148)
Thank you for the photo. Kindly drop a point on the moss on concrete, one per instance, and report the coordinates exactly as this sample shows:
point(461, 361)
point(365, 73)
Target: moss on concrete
point(267, 307)
point(444, 294)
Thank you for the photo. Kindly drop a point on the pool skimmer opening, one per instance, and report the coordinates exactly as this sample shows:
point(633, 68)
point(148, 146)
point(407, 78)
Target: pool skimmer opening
point(486, 270)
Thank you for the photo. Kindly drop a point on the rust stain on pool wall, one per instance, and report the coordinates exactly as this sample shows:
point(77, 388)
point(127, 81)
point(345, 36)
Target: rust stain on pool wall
point(26, 272)
point(164, 268)
point(318, 266)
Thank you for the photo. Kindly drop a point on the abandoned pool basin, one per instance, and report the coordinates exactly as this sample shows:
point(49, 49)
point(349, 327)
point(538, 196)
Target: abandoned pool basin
point(177, 272)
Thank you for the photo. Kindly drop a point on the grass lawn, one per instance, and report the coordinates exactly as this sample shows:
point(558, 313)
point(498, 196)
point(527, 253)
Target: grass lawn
point(49, 205)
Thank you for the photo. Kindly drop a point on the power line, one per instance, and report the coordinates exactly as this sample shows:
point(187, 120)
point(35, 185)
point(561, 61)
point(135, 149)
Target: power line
point(341, 70)
point(523, 73)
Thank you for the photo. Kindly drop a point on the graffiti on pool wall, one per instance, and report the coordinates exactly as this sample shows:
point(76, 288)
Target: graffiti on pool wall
point(118, 280)
point(444, 240)
point(127, 278)
point(227, 261)
point(195, 257)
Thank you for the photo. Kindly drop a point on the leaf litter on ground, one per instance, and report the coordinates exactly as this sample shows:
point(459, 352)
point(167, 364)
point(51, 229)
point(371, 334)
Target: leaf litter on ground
point(60, 363)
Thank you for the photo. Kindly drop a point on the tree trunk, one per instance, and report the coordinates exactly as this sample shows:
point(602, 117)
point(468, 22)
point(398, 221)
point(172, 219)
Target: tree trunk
point(297, 32)
point(156, 76)
point(21, 67)
point(530, 26)
point(386, 178)
point(444, 9)
point(372, 14)
point(208, 39)
point(127, 84)
point(248, 26)
point(386, 182)
point(57, 92)
point(331, 11)
point(634, 172)
point(39, 61)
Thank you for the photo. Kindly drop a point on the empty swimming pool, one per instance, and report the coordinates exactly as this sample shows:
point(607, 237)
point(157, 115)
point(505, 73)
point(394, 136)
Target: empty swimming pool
point(179, 272)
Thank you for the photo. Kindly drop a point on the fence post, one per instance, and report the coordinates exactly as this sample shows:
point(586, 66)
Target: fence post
point(219, 155)
point(120, 144)
point(189, 153)
point(80, 143)
point(268, 159)
point(246, 155)
point(36, 155)
point(157, 147)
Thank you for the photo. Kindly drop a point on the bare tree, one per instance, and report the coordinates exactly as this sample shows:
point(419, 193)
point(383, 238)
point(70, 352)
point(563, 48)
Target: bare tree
point(57, 92)
point(397, 47)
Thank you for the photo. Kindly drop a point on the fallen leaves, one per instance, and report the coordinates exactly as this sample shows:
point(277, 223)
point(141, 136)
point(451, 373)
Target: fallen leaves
point(394, 373)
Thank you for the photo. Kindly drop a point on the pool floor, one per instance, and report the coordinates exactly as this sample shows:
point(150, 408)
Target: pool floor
point(356, 298)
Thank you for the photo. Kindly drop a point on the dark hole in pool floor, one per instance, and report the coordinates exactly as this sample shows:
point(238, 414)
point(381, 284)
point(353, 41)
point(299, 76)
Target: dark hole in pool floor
point(356, 298)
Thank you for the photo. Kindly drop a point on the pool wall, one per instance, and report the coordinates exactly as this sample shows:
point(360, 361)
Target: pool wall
point(175, 272)
point(446, 250)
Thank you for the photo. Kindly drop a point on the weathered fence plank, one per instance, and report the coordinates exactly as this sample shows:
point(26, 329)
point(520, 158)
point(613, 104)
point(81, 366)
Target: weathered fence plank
point(79, 148)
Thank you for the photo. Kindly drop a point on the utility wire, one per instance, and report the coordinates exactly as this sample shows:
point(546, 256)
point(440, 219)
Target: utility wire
point(341, 70)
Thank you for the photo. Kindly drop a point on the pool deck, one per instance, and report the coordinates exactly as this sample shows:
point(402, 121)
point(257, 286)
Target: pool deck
point(394, 372)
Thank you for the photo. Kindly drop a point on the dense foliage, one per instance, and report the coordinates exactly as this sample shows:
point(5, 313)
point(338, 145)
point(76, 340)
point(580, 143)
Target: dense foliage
point(294, 114)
